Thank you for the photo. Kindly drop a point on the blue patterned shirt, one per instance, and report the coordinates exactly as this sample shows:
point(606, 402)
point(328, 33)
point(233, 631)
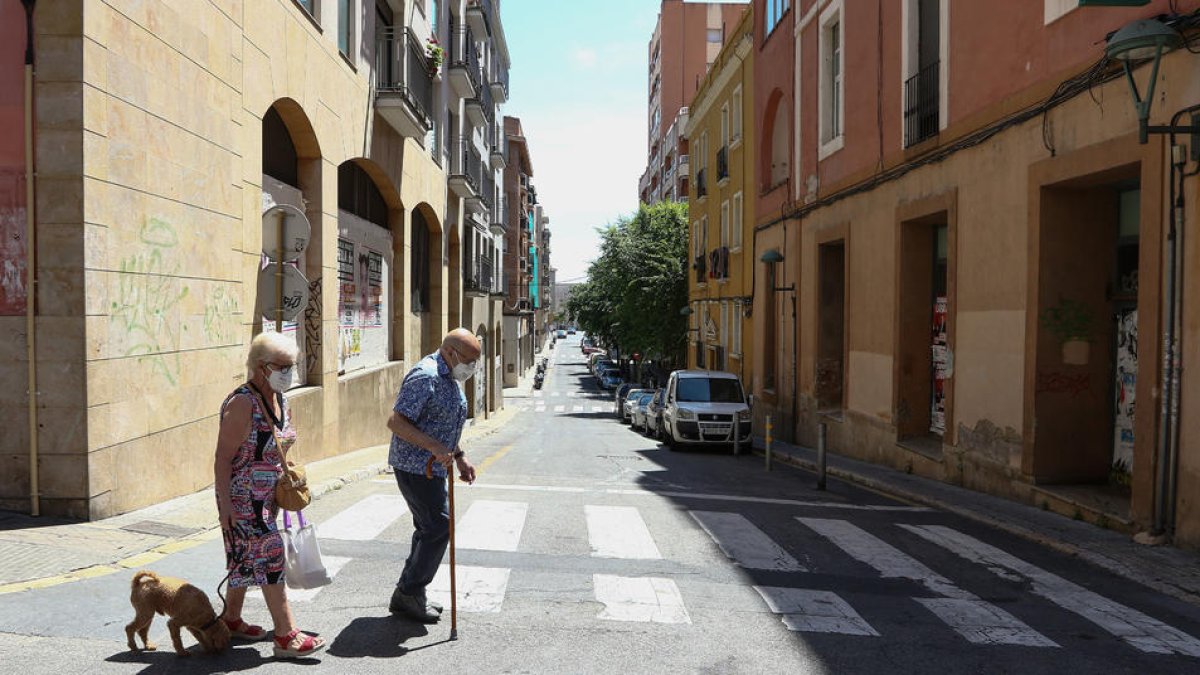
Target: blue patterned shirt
point(432, 400)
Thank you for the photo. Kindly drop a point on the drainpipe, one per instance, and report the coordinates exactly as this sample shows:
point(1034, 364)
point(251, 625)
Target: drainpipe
point(31, 265)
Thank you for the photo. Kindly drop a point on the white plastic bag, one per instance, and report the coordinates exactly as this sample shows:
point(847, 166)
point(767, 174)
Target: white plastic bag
point(302, 553)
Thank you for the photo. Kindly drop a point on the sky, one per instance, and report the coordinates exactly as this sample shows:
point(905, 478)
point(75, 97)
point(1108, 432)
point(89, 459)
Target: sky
point(578, 83)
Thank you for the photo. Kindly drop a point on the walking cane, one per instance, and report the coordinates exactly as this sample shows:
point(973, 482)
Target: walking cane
point(453, 589)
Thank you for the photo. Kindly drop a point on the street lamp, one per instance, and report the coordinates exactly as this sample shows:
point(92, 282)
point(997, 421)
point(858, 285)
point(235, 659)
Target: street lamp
point(771, 256)
point(1137, 41)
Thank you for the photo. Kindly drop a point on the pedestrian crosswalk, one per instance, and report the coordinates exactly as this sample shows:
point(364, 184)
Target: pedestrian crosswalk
point(800, 566)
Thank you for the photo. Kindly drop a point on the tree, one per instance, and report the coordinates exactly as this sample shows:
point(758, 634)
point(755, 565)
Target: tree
point(638, 284)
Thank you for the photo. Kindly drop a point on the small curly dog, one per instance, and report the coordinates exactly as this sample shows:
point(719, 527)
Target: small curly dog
point(187, 606)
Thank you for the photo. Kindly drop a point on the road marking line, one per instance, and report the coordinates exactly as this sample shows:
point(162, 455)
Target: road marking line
point(480, 589)
point(645, 599)
point(577, 408)
point(619, 532)
point(147, 558)
point(744, 543)
point(560, 408)
point(492, 459)
point(1139, 630)
point(703, 497)
point(976, 620)
point(805, 611)
point(364, 520)
point(492, 526)
point(598, 408)
point(333, 565)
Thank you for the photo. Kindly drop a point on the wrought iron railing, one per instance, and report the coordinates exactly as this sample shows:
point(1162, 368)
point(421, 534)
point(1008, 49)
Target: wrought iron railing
point(463, 53)
point(479, 275)
point(402, 68)
point(487, 186)
point(499, 75)
point(500, 212)
point(921, 105)
point(483, 96)
point(468, 165)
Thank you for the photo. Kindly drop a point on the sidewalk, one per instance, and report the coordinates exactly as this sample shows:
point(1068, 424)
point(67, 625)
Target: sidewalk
point(1166, 569)
point(41, 552)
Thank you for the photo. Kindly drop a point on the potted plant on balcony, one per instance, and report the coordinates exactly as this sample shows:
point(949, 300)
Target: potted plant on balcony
point(435, 55)
point(1071, 322)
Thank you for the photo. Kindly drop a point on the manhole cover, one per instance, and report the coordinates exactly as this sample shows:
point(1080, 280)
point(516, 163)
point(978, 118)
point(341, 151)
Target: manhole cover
point(160, 529)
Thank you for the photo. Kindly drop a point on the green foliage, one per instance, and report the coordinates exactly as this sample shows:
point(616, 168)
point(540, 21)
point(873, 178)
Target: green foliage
point(638, 284)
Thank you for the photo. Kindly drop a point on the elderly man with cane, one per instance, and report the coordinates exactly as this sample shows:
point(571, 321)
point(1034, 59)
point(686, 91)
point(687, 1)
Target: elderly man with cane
point(426, 425)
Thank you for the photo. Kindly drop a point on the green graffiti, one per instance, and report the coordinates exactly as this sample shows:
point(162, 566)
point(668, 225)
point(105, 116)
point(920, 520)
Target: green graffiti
point(146, 295)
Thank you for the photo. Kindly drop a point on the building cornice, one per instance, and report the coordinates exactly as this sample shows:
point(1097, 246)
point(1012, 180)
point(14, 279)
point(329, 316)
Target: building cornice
point(713, 85)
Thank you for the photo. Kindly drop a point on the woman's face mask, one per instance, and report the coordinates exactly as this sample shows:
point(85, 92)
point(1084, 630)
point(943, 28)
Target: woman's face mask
point(280, 377)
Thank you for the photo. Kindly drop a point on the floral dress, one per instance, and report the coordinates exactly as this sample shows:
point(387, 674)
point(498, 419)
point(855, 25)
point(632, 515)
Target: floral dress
point(254, 547)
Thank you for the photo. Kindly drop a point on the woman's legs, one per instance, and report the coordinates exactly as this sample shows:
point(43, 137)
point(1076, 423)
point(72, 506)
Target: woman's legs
point(281, 611)
point(234, 599)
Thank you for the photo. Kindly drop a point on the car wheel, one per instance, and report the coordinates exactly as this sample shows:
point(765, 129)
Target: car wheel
point(669, 439)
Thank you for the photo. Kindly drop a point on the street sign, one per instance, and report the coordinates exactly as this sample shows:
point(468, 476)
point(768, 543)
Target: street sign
point(295, 232)
point(294, 295)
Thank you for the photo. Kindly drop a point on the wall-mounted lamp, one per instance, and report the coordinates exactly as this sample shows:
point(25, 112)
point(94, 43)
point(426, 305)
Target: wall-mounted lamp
point(771, 256)
point(1138, 41)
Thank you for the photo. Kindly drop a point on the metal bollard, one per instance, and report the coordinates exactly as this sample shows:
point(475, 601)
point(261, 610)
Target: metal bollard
point(821, 456)
point(737, 445)
point(768, 442)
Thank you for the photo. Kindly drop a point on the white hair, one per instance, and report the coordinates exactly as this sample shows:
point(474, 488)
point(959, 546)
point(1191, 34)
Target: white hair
point(266, 346)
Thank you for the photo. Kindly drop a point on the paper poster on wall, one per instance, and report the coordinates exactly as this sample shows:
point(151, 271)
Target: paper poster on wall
point(938, 348)
point(362, 304)
point(1125, 389)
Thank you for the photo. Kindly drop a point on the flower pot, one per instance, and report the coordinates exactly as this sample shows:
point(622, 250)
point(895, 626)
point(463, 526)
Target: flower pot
point(1075, 352)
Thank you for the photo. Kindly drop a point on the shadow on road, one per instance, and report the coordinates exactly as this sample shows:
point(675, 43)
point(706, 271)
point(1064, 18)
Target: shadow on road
point(165, 660)
point(378, 637)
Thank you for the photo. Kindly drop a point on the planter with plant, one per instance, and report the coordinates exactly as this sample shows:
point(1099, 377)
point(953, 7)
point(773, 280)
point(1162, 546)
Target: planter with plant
point(1071, 322)
point(434, 55)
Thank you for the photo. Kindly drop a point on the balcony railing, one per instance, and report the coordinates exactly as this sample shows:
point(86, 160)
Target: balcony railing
point(723, 163)
point(464, 57)
point(921, 105)
point(701, 183)
point(499, 219)
point(683, 166)
point(466, 170)
point(479, 14)
point(499, 80)
point(402, 73)
point(478, 275)
point(487, 186)
point(481, 107)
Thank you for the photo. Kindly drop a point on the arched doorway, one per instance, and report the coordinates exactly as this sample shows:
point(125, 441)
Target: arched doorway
point(425, 287)
point(291, 174)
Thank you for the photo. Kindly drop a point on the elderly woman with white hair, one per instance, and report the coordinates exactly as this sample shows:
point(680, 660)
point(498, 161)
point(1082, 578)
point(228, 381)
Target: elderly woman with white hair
point(255, 435)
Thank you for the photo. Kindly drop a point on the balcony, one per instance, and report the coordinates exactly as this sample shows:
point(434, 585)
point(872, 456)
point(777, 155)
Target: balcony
point(499, 81)
point(499, 156)
point(682, 168)
point(466, 171)
point(464, 69)
point(499, 224)
point(701, 184)
point(482, 204)
point(481, 109)
point(723, 165)
point(478, 276)
point(479, 16)
point(921, 105)
point(404, 83)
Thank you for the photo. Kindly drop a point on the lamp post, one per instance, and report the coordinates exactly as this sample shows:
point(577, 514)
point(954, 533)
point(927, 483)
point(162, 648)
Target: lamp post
point(1138, 41)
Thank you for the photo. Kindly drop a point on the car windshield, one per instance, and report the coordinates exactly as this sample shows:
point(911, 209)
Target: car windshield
point(710, 390)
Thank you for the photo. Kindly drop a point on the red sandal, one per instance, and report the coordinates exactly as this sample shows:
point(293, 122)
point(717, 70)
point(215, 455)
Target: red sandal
point(297, 645)
point(240, 629)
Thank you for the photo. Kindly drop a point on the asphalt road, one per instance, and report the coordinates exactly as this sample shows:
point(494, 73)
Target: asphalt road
point(585, 547)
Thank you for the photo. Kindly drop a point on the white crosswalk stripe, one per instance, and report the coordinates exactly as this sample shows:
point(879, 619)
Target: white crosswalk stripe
point(365, 519)
point(560, 408)
point(577, 408)
point(744, 543)
point(814, 611)
point(1141, 631)
point(619, 532)
point(491, 526)
point(976, 620)
point(480, 589)
point(646, 599)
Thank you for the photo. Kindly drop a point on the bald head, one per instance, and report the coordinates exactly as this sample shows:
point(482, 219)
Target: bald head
point(463, 343)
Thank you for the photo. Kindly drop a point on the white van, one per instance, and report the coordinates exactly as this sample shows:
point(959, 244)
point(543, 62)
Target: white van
point(701, 406)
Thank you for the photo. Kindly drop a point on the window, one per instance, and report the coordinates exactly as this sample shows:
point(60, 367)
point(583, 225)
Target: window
point(419, 263)
point(775, 11)
point(709, 390)
point(725, 125)
point(309, 6)
point(831, 81)
point(736, 132)
point(345, 26)
point(1053, 10)
point(735, 342)
point(697, 240)
point(714, 35)
point(726, 240)
point(736, 219)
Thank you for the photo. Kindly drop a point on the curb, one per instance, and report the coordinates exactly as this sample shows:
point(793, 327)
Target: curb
point(1074, 550)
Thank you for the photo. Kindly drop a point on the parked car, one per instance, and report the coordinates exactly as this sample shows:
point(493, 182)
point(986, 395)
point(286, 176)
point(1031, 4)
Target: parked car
point(654, 414)
point(625, 403)
point(638, 411)
point(561, 333)
point(571, 330)
point(593, 359)
point(606, 370)
point(611, 380)
point(701, 407)
point(620, 396)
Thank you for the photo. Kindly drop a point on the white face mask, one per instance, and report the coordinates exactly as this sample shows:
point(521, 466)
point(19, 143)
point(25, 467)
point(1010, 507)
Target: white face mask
point(281, 380)
point(463, 371)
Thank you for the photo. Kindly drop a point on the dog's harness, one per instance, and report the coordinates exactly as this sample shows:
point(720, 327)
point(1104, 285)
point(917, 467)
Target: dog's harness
point(216, 617)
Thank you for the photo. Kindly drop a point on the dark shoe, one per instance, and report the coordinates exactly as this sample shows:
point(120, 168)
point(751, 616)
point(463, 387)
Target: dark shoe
point(429, 604)
point(412, 607)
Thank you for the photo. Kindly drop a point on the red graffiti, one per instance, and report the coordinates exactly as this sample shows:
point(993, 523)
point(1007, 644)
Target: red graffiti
point(1073, 384)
